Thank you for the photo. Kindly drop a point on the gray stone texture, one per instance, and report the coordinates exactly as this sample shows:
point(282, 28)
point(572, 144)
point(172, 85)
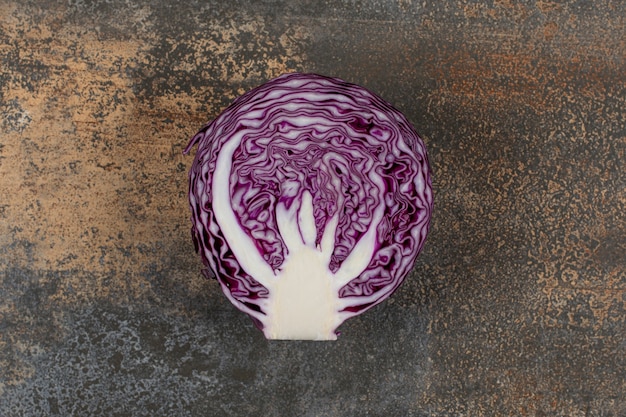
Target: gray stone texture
point(516, 306)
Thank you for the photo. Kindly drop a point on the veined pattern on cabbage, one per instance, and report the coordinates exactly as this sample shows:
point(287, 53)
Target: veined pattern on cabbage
point(311, 198)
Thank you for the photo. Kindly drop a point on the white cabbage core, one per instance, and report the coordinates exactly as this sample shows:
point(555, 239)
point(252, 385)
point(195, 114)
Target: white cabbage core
point(303, 301)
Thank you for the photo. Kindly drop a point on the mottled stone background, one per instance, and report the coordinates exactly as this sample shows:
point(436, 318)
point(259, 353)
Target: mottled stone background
point(515, 307)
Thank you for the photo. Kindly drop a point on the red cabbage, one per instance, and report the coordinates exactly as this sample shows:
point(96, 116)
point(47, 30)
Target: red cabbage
point(311, 198)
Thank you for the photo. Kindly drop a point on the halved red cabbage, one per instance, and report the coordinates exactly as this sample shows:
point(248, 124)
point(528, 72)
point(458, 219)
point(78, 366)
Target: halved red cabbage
point(311, 198)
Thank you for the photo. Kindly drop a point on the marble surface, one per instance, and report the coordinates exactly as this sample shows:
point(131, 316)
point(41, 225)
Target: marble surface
point(515, 307)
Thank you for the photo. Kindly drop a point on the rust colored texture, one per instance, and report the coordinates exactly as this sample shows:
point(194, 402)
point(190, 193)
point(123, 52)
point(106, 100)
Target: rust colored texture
point(515, 307)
